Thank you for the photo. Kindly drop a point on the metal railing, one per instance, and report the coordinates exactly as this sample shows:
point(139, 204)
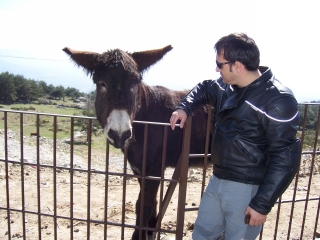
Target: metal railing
point(27, 182)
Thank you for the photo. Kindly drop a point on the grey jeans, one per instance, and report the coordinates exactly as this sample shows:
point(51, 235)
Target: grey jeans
point(221, 211)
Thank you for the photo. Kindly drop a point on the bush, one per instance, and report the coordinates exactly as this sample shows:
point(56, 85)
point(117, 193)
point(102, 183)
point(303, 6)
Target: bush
point(23, 108)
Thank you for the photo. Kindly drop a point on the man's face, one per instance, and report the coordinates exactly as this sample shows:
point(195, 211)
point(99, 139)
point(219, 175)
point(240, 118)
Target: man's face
point(225, 68)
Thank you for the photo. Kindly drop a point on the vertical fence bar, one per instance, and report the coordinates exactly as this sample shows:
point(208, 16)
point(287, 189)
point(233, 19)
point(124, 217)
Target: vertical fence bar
point(277, 219)
point(22, 178)
point(294, 194)
point(261, 233)
point(55, 177)
point(7, 171)
point(183, 177)
point(163, 164)
point(38, 176)
point(124, 190)
point(206, 150)
point(71, 177)
point(89, 178)
point(143, 179)
point(304, 124)
point(106, 192)
point(22, 175)
point(316, 222)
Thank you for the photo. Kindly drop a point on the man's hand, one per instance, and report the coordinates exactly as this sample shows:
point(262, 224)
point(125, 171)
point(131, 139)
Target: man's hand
point(178, 115)
point(256, 218)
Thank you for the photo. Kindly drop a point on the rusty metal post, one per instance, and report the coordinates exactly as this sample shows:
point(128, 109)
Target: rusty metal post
point(38, 178)
point(22, 167)
point(6, 161)
point(183, 177)
point(71, 177)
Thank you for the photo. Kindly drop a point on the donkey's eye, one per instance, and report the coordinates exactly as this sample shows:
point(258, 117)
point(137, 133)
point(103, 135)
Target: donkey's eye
point(102, 85)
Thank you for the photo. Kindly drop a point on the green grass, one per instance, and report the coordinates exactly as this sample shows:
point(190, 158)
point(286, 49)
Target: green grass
point(46, 127)
point(46, 122)
point(53, 109)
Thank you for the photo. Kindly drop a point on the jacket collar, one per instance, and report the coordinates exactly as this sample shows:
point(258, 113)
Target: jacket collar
point(237, 94)
point(266, 75)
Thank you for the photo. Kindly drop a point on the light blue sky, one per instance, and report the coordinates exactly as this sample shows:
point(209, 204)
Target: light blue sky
point(285, 31)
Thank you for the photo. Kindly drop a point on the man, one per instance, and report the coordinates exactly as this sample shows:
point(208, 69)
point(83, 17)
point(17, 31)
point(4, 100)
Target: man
point(254, 151)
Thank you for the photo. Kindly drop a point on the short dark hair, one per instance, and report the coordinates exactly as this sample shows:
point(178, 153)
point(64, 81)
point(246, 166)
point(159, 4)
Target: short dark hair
point(239, 47)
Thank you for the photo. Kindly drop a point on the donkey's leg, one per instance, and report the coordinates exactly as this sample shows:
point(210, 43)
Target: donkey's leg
point(135, 235)
point(149, 208)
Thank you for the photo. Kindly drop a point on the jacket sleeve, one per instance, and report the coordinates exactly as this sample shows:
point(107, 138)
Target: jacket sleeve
point(203, 93)
point(284, 152)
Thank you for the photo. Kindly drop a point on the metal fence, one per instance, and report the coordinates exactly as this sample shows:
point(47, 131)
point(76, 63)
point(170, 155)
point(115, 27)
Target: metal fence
point(59, 183)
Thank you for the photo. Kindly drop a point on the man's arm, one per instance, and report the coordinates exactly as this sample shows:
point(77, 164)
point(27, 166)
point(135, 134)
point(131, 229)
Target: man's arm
point(284, 153)
point(202, 94)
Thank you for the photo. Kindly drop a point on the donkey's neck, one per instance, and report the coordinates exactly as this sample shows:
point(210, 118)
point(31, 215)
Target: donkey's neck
point(156, 103)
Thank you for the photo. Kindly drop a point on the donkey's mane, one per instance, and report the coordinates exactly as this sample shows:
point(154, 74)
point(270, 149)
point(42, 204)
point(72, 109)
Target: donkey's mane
point(114, 58)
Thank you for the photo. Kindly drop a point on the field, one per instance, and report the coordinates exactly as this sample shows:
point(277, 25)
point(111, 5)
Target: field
point(47, 123)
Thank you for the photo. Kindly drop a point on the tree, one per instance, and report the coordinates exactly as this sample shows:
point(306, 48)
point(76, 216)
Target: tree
point(20, 82)
point(17, 87)
point(72, 92)
point(35, 90)
point(58, 92)
point(7, 89)
point(44, 87)
point(49, 89)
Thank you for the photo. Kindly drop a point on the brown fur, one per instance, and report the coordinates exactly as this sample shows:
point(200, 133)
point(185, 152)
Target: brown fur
point(118, 77)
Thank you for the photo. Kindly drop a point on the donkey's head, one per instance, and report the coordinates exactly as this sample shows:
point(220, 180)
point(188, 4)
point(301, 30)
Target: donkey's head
point(117, 75)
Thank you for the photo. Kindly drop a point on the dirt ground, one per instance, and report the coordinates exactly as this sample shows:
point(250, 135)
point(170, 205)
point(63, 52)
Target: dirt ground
point(96, 185)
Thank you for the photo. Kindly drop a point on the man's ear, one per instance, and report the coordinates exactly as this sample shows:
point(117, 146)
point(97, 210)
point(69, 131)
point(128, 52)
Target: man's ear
point(239, 67)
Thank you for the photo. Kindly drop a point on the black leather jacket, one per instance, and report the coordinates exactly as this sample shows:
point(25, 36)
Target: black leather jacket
point(254, 139)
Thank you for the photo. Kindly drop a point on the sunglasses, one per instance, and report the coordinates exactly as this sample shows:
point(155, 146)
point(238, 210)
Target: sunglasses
point(219, 65)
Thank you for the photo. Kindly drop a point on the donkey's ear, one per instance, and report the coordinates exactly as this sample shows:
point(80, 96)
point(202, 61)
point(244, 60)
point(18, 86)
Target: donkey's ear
point(87, 60)
point(145, 59)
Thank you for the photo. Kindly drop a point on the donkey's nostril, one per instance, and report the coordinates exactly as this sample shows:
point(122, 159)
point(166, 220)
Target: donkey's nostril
point(126, 135)
point(118, 139)
point(112, 134)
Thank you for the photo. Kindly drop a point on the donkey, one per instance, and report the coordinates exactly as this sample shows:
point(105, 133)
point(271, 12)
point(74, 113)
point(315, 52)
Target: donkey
point(122, 97)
